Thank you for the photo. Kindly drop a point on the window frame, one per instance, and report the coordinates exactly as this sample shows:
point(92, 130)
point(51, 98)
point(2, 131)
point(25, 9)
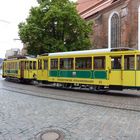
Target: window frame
point(86, 63)
point(34, 65)
point(68, 68)
point(129, 62)
point(137, 62)
point(57, 62)
point(120, 63)
point(95, 63)
point(39, 64)
point(45, 62)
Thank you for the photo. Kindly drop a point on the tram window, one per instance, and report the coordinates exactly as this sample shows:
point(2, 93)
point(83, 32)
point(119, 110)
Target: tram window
point(99, 62)
point(116, 62)
point(66, 63)
point(16, 66)
point(138, 62)
point(39, 64)
point(26, 65)
point(19, 65)
point(7, 65)
point(83, 63)
point(54, 63)
point(31, 65)
point(10, 65)
point(129, 62)
point(45, 64)
point(13, 65)
point(34, 65)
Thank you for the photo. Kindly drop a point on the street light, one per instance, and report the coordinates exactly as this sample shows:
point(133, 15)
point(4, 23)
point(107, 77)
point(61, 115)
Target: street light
point(4, 21)
point(15, 39)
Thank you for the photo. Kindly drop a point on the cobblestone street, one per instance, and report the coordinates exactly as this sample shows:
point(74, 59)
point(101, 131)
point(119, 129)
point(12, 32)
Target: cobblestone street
point(23, 117)
point(70, 70)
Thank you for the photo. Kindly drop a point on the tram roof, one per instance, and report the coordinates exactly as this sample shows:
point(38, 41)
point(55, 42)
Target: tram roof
point(79, 52)
point(107, 50)
point(20, 58)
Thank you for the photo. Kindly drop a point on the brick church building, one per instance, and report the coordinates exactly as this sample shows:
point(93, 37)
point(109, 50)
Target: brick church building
point(116, 22)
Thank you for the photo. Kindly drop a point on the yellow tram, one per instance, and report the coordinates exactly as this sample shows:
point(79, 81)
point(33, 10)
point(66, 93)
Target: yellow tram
point(21, 68)
point(97, 69)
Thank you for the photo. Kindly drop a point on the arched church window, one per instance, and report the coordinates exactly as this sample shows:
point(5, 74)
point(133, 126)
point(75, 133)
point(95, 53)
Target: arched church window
point(115, 31)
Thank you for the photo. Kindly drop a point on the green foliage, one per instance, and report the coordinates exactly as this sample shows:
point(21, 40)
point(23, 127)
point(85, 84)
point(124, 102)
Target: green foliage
point(55, 26)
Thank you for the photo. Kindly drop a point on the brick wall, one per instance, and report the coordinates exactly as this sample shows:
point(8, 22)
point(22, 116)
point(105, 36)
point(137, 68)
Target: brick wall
point(128, 13)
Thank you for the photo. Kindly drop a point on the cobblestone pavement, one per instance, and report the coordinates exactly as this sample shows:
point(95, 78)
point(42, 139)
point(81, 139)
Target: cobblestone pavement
point(127, 100)
point(23, 117)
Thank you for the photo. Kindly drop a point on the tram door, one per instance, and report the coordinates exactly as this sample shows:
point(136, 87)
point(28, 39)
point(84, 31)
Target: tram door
point(116, 73)
point(42, 69)
point(45, 69)
point(138, 71)
point(22, 67)
point(129, 73)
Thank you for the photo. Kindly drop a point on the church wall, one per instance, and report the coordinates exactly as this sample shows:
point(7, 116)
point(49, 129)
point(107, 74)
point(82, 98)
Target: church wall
point(128, 13)
point(133, 7)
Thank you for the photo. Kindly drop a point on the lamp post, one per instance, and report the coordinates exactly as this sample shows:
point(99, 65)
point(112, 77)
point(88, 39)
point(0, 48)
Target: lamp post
point(4, 21)
point(15, 39)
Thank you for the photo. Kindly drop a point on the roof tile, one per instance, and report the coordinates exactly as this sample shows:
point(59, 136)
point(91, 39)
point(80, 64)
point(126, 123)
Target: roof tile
point(83, 5)
point(87, 8)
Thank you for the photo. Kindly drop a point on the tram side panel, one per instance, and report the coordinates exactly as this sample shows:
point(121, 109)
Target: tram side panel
point(28, 69)
point(124, 72)
point(79, 70)
point(11, 69)
point(42, 69)
point(138, 71)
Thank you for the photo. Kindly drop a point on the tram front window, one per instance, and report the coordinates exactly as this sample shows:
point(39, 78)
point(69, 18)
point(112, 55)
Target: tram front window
point(138, 62)
point(115, 62)
point(129, 62)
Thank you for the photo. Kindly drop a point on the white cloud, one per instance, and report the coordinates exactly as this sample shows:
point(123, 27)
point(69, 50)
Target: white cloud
point(12, 12)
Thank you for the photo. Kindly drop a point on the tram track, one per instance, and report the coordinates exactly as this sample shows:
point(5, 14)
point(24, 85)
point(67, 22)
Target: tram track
point(79, 100)
point(86, 92)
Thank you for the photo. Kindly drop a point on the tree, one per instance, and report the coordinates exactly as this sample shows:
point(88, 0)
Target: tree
point(55, 26)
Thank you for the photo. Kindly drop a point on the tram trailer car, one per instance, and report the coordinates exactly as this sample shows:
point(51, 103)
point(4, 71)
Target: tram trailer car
point(96, 69)
point(23, 69)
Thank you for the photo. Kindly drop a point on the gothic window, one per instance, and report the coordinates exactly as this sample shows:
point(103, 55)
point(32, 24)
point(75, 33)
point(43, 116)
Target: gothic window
point(115, 31)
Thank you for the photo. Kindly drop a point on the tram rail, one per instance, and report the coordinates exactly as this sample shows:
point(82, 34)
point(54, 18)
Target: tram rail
point(76, 99)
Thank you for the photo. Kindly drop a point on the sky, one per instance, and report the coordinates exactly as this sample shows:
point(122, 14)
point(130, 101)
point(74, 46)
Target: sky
point(12, 12)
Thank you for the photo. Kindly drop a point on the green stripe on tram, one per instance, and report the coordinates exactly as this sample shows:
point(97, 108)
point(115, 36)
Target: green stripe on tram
point(74, 74)
point(53, 73)
point(100, 74)
point(11, 71)
point(65, 73)
point(79, 74)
